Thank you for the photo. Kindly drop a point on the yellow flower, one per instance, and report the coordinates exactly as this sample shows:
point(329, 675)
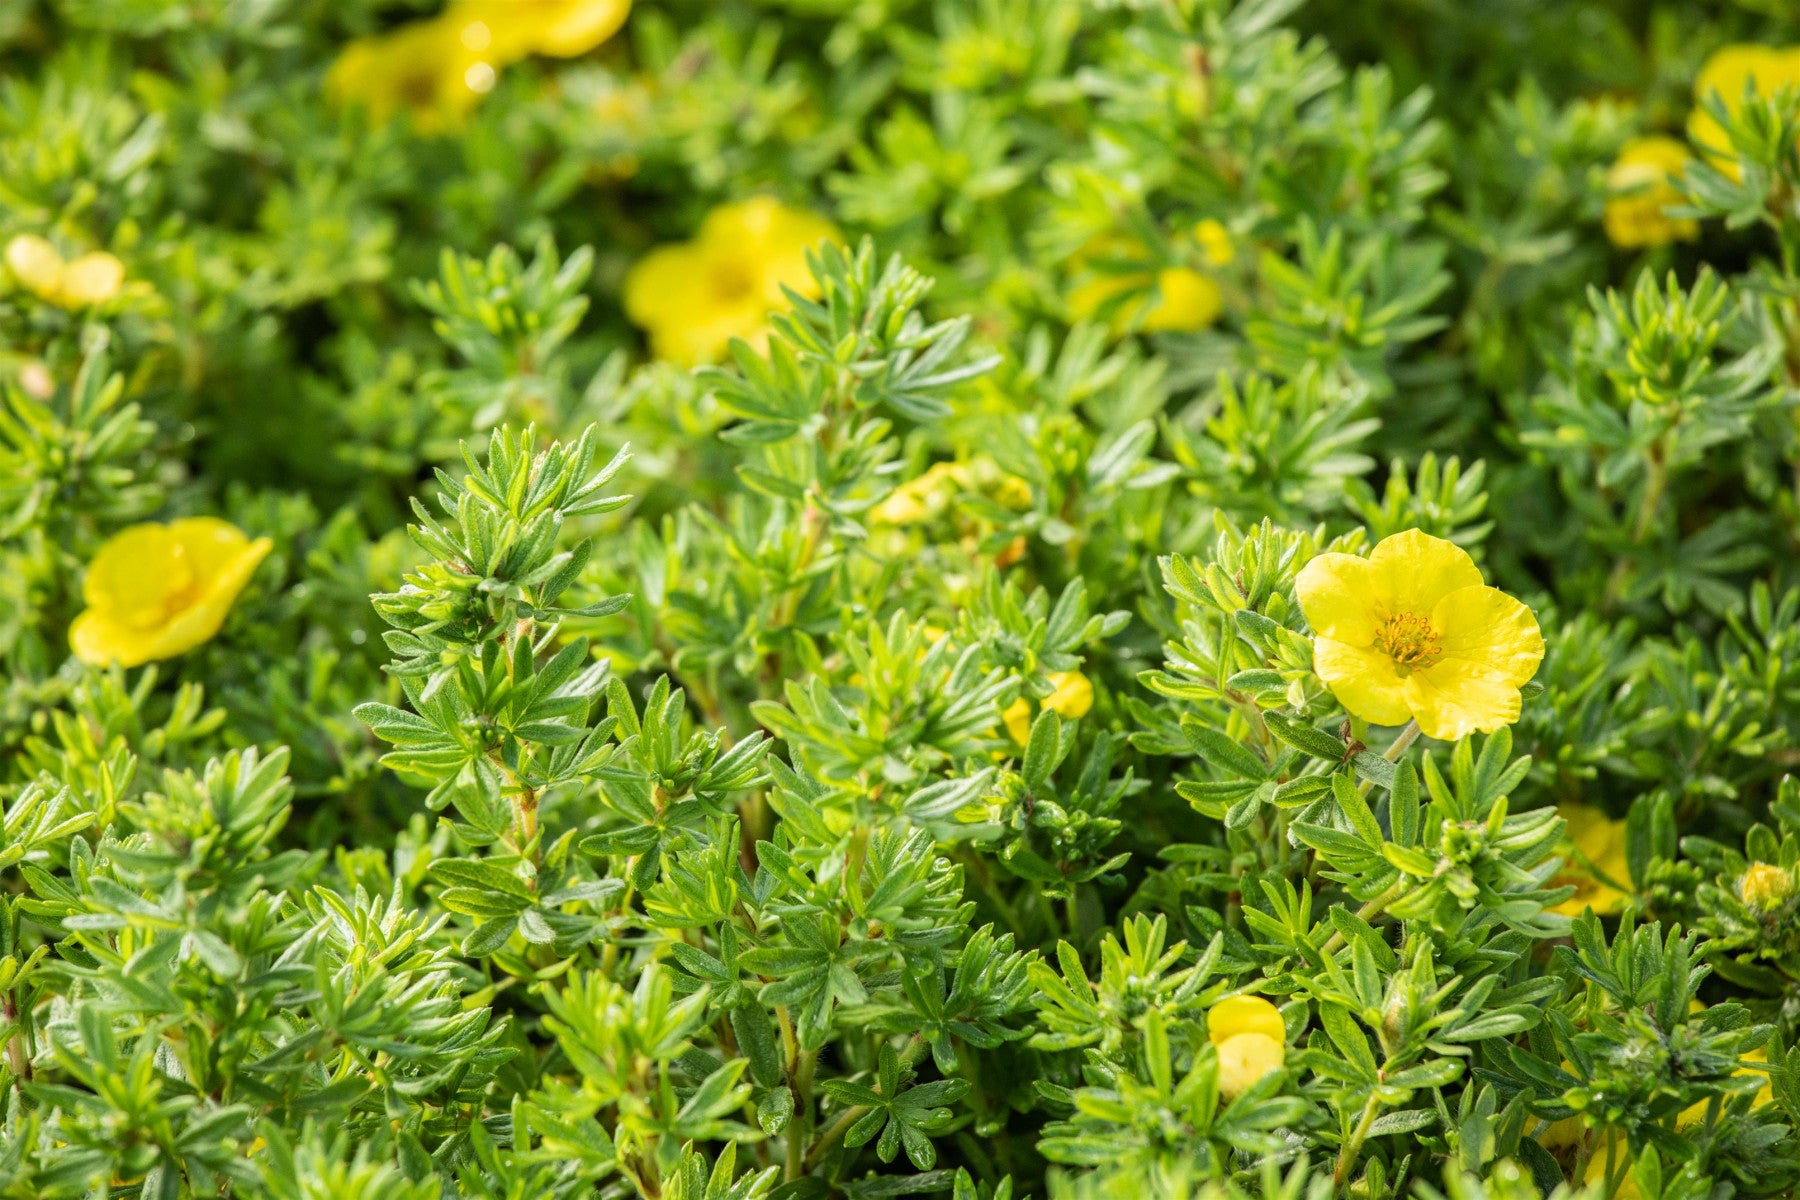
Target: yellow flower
point(1763, 69)
point(154, 591)
point(82, 282)
point(1693, 1114)
point(1215, 242)
point(1185, 301)
point(918, 499)
point(1412, 632)
point(1594, 852)
point(1642, 185)
point(1765, 886)
point(428, 70)
point(694, 297)
point(1613, 1147)
point(512, 29)
point(1071, 697)
point(1170, 300)
point(1251, 1040)
point(1244, 1014)
point(926, 496)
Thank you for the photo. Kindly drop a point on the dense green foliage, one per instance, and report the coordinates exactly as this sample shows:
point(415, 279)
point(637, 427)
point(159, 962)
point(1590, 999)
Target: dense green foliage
point(857, 767)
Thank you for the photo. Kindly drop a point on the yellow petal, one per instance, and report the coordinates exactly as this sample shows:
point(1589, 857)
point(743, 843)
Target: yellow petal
point(1018, 720)
point(91, 279)
point(138, 575)
point(1490, 631)
point(423, 69)
point(1641, 180)
point(1186, 301)
point(1563, 1134)
point(1215, 242)
point(1246, 1058)
point(1456, 697)
point(154, 591)
point(663, 285)
point(35, 263)
point(1364, 681)
point(1244, 1014)
point(1342, 597)
point(510, 29)
point(1415, 570)
point(1071, 696)
point(199, 621)
point(694, 298)
point(1727, 72)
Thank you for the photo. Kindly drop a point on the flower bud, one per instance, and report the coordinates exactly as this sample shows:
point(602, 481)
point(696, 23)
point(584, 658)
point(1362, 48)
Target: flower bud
point(1765, 886)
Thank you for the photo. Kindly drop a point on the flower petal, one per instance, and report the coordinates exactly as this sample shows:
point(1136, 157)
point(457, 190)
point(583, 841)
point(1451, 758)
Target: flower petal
point(1491, 632)
point(1073, 695)
point(1458, 696)
point(1186, 301)
point(1416, 570)
point(138, 575)
point(1364, 681)
point(100, 641)
point(664, 285)
point(202, 618)
point(1339, 593)
point(93, 278)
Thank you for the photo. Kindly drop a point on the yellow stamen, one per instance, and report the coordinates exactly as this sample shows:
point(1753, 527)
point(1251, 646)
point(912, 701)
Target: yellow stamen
point(1410, 641)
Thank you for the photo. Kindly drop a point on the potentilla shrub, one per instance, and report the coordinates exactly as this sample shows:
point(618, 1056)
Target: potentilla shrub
point(789, 599)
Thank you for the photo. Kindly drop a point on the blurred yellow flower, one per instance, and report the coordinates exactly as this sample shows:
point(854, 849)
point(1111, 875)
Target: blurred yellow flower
point(1594, 862)
point(1413, 632)
point(692, 298)
point(1169, 300)
point(1729, 71)
point(154, 591)
point(81, 282)
point(927, 495)
point(1071, 698)
point(1251, 1039)
point(427, 70)
point(918, 499)
point(1641, 183)
point(512, 29)
point(1215, 242)
point(1693, 1114)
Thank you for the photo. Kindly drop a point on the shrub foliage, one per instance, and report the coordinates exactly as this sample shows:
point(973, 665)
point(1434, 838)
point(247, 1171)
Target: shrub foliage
point(782, 599)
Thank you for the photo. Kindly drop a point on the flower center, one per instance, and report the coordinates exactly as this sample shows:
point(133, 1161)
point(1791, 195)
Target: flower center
point(1410, 641)
point(733, 280)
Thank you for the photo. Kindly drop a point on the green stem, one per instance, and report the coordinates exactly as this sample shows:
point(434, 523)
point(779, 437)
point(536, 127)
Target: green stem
point(915, 1049)
point(1367, 912)
point(1352, 1149)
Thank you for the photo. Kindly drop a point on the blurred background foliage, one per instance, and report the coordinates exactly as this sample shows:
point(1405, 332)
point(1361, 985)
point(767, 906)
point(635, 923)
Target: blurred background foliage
point(1211, 285)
